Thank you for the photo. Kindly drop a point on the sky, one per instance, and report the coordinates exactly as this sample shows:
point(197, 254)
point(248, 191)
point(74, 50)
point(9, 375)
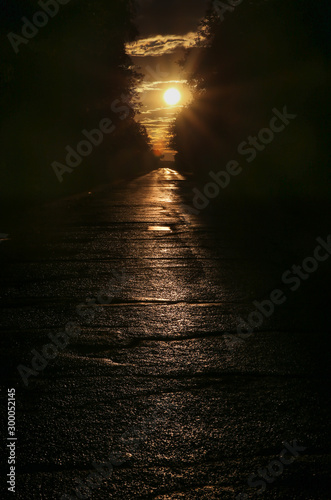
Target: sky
point(166, 28)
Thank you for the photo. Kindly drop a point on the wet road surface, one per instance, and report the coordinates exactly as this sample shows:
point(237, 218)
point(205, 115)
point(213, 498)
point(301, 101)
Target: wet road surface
point(152, 377)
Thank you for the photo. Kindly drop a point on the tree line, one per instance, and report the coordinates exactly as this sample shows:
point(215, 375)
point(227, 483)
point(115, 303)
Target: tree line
point(63, 70)
point(250, 59)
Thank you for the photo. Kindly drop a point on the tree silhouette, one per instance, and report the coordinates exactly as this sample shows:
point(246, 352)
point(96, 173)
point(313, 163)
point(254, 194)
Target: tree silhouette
point(263, 55)
point(73, 73)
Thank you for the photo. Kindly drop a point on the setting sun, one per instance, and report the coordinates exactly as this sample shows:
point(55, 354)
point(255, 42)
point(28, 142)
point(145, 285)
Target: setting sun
point(172, 96)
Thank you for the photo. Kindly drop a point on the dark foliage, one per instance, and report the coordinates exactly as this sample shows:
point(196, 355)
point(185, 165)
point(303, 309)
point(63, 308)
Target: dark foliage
point(66, 79)
point(263, 55)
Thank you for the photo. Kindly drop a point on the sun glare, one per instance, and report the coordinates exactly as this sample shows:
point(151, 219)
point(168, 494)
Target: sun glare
point(172, 96)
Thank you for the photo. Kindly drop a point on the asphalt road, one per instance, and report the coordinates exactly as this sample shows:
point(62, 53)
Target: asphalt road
point(150, 373)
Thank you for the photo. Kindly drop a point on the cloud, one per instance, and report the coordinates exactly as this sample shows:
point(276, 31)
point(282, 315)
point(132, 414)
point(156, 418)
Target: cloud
point(166, 110)
point(160, 44)
point(158, 85)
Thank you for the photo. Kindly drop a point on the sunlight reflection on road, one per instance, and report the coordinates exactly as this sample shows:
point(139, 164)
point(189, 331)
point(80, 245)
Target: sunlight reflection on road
point(159, 228)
